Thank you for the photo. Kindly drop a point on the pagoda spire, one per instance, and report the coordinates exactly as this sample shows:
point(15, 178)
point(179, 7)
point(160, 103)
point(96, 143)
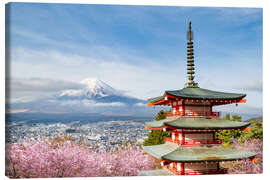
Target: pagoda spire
point(190, 59)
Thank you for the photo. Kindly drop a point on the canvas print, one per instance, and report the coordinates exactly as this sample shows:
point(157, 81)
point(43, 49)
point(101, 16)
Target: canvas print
point(125, 90)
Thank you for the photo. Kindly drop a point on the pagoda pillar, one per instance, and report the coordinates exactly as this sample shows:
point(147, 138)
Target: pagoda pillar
point(177, 110)
point(218, 166)
point(183, 137)
point(183, 108)
point(182, 167)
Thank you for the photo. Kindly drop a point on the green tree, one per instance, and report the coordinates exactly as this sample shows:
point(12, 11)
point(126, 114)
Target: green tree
point(236, 118)
point(161, 115)
point(226, 135)
point(255, 130)
point(227, 117)
point(156, 137)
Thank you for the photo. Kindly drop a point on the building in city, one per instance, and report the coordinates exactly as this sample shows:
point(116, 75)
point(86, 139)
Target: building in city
point(193, 148)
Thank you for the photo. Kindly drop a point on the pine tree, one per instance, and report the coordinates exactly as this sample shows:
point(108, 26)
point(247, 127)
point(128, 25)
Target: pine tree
point(161, 115)
point(156, 137)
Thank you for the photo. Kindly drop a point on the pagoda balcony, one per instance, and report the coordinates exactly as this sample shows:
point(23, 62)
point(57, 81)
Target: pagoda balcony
point(193, 114)
point(198, 172)
point(194, 142)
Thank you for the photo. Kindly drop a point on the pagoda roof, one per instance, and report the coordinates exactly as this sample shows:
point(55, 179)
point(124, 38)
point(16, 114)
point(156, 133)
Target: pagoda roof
point(158, 124)
point(157, 151)
point(203, 123)
point(198, 93)
point(198, 123)
point(173, 152)
point(156, 172)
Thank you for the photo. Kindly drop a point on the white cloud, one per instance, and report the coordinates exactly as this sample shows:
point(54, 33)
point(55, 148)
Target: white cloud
point(41, 84)
point(112, 104)
point(91, 103)
point(22, 90)
point(251, 85)
point(240, 109)
point(140, 104)
point(11, 111)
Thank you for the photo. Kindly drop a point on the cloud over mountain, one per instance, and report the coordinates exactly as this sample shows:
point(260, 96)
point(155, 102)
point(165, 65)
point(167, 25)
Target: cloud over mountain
point(88, 95)
point(41, 84)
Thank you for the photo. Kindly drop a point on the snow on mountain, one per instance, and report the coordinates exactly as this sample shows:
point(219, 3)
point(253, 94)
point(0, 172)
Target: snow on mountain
point(99, 88)
point(94, 89)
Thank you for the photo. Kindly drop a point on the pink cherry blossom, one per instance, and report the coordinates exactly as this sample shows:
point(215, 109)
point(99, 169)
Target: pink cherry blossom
point(40, 159)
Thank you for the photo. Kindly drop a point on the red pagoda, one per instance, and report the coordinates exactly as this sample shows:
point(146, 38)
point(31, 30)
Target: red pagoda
point(192, 148)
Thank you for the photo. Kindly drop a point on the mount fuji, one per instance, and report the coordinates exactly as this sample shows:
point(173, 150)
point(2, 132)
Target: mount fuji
point(97, 91)
point(95, 96)
point(94, 89)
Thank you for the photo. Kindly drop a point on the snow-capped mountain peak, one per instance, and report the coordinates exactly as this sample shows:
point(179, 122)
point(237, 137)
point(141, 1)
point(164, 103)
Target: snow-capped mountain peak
point(98, 87)
point(94, 88)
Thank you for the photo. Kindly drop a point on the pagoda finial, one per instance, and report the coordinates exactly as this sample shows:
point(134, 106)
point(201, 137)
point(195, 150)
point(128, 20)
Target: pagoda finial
point(190, 59)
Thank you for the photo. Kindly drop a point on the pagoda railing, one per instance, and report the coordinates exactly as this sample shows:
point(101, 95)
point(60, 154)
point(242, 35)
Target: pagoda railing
point(193, 114)
point(194, 142)
point(199, 172)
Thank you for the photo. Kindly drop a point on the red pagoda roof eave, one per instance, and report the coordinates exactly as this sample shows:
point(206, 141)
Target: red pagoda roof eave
point(158, 129)
point(197, 161)
point(159, 160)
point(216, 129)
point(170, 128)
point(213, 101)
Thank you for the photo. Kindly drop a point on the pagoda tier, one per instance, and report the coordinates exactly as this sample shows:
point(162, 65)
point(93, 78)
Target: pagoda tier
point(185, 160)
point(196, 94)
point(195, 101)
point(196, 124)
point(171, 152)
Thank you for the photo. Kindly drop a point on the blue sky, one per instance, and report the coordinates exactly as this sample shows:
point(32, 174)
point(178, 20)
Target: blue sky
point(139, 49)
